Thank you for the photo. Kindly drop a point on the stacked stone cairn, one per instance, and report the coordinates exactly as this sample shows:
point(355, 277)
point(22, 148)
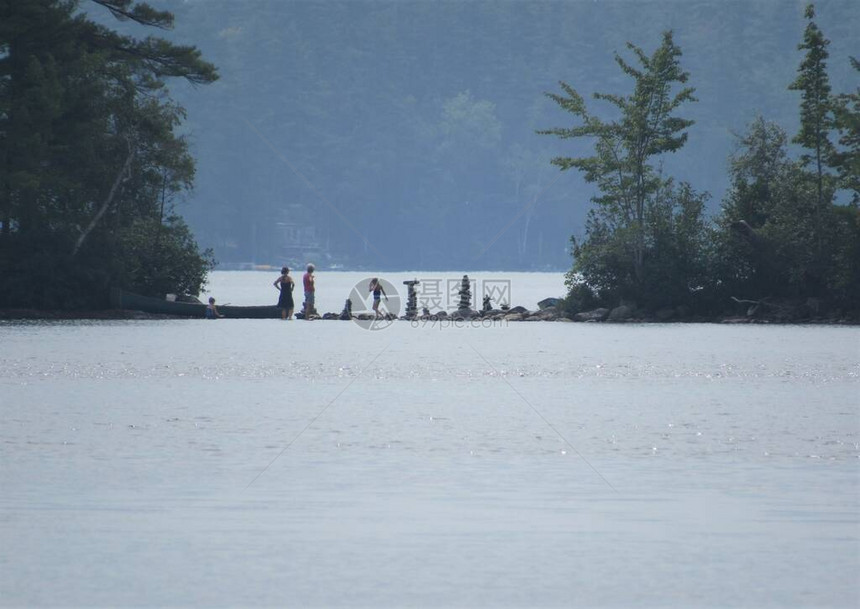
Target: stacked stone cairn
point(465, 294)
point(346, 314)
point(411, 299)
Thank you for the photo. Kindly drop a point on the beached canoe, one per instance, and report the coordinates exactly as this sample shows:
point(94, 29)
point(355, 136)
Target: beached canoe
point(129, 301)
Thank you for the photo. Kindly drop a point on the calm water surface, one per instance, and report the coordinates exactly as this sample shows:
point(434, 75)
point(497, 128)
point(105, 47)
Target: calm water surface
point(260, 462)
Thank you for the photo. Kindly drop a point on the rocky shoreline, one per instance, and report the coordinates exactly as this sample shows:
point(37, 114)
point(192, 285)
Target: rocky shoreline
point(619, 315)
point(810, 311)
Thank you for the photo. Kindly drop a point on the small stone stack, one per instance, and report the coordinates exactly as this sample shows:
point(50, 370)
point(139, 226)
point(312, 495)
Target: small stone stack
point(411, 299)
point(346, 314)
point(465, 294)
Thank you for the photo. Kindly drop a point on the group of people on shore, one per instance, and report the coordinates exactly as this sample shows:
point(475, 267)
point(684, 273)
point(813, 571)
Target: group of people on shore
point(285, 285)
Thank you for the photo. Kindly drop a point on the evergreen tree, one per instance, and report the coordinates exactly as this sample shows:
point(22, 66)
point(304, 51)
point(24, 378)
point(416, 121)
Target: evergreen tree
point(90, 154)
point(846, 160)
point(816, 111)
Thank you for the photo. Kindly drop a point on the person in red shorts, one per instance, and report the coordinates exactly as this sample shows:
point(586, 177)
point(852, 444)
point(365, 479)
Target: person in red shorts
point(308, 281)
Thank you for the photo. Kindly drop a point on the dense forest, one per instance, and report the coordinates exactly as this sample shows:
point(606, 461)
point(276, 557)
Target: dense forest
point(91, 156)
point(401, 135)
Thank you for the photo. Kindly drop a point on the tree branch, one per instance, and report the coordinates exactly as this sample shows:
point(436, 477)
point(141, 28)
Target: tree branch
point(103, 209)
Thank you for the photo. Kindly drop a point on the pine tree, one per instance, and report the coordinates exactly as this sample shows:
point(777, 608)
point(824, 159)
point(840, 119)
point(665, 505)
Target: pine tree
point(816, 109)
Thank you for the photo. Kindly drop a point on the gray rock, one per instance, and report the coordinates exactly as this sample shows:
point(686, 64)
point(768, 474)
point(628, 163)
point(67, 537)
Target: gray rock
point(518, 310)
point(492, 312)
point(621, 313)
point(549, 302)
point(513, 317)
point(595, 315)
point(464, 314)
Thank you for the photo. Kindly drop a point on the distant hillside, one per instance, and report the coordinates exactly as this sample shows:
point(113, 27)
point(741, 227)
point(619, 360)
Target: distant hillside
point(401, 135)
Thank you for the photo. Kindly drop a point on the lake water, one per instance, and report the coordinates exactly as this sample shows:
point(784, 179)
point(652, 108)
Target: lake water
point(262, 462)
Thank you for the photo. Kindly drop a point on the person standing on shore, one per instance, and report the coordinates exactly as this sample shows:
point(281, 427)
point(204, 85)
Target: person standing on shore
point(285, 285)
point(309, 284)
point(378, 293)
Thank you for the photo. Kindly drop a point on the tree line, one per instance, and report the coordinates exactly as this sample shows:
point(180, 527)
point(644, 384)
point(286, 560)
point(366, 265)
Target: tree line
point(91, 156)
point(788, 230)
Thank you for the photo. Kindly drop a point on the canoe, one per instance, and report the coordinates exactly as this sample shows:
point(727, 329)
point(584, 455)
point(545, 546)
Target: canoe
point(123, 299)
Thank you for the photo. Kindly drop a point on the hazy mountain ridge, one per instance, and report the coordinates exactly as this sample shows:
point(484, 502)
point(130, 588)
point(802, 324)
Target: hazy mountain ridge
point(412, 125)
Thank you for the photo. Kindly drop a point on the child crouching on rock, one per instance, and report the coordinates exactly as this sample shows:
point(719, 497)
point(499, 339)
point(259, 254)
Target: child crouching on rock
point(212, 310)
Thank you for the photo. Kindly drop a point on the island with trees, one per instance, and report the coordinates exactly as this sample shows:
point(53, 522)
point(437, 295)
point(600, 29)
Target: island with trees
point(784, 245)
point(94, 156)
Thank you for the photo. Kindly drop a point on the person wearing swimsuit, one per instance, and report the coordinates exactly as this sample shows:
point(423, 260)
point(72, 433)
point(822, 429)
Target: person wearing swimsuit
point(212, 310)
point(378, 292)
point(285, 285)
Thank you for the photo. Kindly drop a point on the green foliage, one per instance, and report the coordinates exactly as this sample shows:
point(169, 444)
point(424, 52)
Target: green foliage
point(162, 257)
point(90, 156)
point(580, 296)
point(846, 160)
point(674, 265)
point(640, 216)
point(760, 172)
point(765, 242)
point(780, 233)
point(816, 114)
point(816, 117)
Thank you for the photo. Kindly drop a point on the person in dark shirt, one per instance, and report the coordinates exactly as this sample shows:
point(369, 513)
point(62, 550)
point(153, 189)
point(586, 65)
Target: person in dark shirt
point(285, 285)
point(212, 310)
